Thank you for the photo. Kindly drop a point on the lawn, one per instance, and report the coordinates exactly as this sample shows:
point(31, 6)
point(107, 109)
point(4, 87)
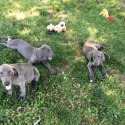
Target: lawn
point(67, 98)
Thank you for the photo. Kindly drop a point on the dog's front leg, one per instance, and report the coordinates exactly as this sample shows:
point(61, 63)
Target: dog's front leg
point(9, 93)
point(23, 91)
point(89, 66)
point(49, 67)
point(33, 59)
point(102, 68)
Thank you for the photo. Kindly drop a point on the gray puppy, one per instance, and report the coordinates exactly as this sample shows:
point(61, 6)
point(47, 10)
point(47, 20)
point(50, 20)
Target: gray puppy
point(19, 74)
point(95, 57)
point(33, 54)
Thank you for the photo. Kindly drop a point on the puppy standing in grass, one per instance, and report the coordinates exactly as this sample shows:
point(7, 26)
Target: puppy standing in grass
point(95, 57)
point(33, 54)
point(19, 74)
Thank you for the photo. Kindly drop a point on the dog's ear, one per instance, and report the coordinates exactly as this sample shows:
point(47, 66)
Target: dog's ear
point(90, 56)
point(102, 56)
point(42, 54)
point(15, 72)
point(106, 55)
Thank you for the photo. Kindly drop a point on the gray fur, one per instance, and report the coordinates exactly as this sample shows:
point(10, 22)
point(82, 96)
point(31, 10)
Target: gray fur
point(95, 58)
point(33, 54)
point(19, 74)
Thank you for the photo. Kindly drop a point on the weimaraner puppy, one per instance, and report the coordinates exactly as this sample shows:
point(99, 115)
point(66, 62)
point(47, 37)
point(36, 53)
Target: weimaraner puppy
point(19, 74)
point(33, 54)
point(95, 58)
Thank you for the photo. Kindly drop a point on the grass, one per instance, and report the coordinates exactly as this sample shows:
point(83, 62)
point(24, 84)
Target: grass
point(67, 98)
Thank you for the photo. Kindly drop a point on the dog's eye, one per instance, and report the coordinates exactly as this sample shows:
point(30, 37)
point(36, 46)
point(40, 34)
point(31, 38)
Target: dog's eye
point(99, 57)
point(10, 72)
point(1, 73)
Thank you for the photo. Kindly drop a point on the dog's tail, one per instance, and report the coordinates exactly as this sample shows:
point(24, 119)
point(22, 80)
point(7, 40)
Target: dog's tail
point(36, 74)
point(6, 37)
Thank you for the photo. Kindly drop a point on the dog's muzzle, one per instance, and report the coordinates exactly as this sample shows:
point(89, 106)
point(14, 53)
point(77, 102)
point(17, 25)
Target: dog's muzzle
point(50, 58)
point(7, 85)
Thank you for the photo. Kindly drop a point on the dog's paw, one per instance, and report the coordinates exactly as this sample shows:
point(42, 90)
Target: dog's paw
point(109, 57)
point(35, 88)
point(8, 95)
point(92, 78)
point(3, 44)
point(21, 98)
point(91, 81)
point(53, 72)
point(106, 76)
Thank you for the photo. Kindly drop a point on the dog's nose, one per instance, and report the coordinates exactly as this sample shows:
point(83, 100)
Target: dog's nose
point(96, 64)
point(7, 83)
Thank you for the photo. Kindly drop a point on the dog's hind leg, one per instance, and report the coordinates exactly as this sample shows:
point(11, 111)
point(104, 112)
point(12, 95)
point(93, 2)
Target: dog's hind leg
point(9, 38)
point(6, 37)
point(102, 68)
point(34, 85)
point(7, 45)
point(9, 42)
point(106, 55)
point(35, 81)
point(98, 46)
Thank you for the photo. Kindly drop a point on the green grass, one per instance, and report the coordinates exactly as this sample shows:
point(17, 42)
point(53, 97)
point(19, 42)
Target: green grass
point(67, 98)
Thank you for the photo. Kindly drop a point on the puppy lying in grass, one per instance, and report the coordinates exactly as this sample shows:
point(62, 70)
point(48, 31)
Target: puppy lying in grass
point(33, 54)
point(95, 58)
point(19, 74)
